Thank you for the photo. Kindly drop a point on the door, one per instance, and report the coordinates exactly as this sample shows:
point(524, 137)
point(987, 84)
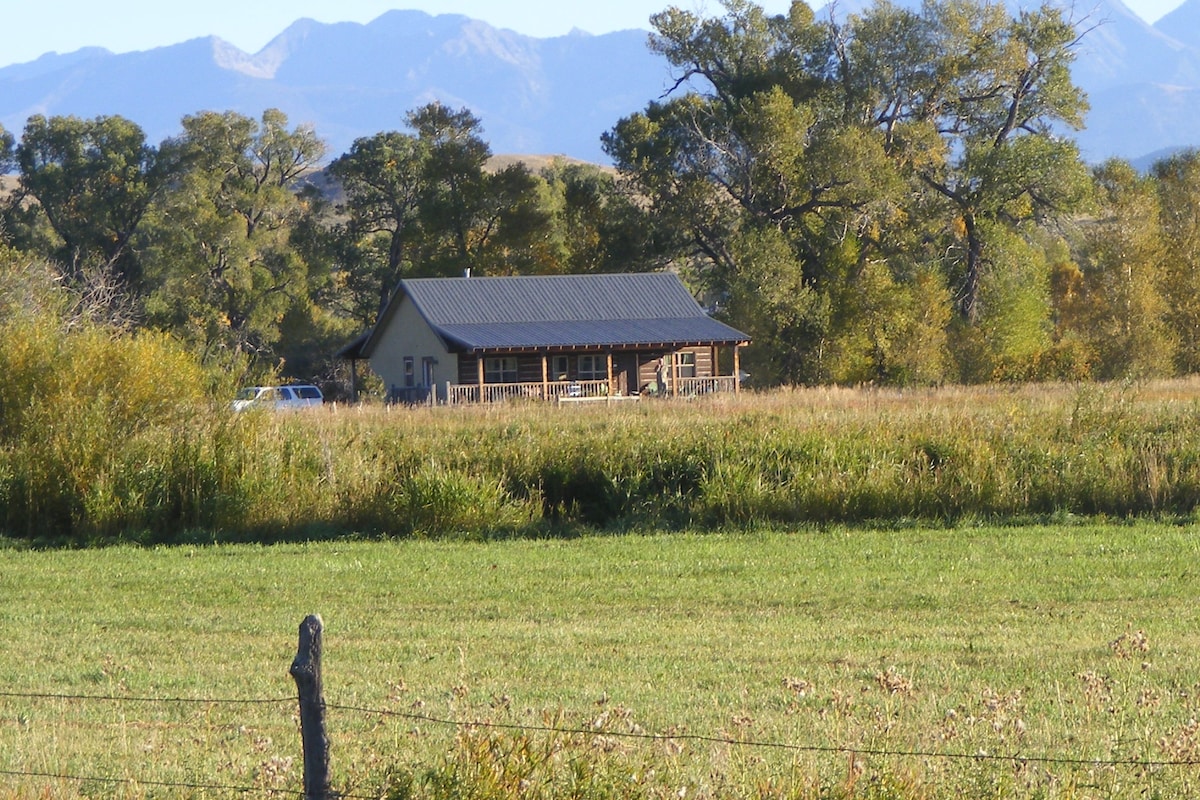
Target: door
point(625, 369)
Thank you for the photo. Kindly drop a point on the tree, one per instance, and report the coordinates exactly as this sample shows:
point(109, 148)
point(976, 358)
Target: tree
point(1123, 260)
point(94, 181)
point(994, 88)
point(1178, 182)
point(383, 180)
point(224, 268)
point(8, 158)
point(424, 203)
point(455, 209)
point(599, 224)
point(882, 149)
point(754, 159)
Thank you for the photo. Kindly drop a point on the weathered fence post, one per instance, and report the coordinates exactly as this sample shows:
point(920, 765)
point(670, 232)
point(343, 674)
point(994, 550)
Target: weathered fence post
point(306, 670)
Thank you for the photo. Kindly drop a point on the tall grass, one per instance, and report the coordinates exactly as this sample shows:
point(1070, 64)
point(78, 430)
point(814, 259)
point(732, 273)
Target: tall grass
point(87, 466)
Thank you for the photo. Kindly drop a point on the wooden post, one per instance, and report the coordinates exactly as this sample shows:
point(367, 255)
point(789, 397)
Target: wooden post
point(306, 671)
point(545, 377)
point(737, 369)
point(480, 371)
point(612, 390)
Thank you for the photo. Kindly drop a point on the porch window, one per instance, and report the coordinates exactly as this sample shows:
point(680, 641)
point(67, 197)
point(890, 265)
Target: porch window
point(409, 372)
point(687, 364)
point(593, 368)
point(500, 370)
point(559, 369)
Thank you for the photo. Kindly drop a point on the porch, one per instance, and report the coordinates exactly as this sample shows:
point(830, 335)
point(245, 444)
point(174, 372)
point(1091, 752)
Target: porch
point(582, 390)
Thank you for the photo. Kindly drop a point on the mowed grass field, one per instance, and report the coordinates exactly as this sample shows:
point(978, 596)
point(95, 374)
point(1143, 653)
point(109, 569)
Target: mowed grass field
point(1037, 661)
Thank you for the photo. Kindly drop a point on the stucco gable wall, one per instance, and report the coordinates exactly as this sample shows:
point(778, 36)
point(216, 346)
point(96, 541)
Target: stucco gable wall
point(407, 334)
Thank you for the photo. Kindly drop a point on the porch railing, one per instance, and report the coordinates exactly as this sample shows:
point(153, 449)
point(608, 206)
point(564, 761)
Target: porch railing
point(690, 387)
point(569, 390)
point(507, 392)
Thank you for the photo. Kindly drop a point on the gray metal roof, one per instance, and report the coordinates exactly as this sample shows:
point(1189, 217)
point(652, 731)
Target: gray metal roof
point(568, 311)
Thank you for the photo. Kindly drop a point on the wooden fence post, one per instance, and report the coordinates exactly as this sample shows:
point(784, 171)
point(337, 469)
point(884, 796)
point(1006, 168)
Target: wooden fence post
point(306, 670)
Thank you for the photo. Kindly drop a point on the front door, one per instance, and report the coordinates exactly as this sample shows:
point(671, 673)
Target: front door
point(427, 375)
point(625, 371)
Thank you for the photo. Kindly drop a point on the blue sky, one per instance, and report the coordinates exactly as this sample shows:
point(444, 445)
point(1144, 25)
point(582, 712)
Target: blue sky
point(34, 27)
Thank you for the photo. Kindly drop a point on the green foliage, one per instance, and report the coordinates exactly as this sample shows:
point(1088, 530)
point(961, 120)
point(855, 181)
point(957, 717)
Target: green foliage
point(97, 428)
point(1012, 332)
point(862, 144)
point(94, 180)
point(886, 199)
point(7, 155)
point(1123, 256)
point(785, 316)
point(1178, 184)
point(220, 258)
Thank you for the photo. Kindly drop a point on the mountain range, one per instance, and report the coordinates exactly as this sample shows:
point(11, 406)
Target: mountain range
point(538, 96)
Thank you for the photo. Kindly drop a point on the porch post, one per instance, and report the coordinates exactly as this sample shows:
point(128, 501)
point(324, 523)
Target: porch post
point(675, 374)
point(737, 369)
point(545, 377)
point(479, 364)
point(612, 390)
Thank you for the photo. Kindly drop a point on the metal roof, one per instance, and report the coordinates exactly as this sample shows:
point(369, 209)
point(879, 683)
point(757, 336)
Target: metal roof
point(561, 311)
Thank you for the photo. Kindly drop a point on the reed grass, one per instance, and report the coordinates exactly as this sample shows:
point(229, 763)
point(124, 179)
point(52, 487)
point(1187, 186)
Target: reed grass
point(815, 456)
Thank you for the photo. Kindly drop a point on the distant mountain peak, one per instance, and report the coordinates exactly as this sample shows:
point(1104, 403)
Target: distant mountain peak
point(552, 95)
point(1183, 24)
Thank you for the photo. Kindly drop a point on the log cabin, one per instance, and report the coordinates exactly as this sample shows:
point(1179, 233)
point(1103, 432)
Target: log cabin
point(557, 337)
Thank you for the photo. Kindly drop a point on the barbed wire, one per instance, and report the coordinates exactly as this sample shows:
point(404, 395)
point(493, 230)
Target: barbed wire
point(212, 787)
point(1021, 758)
point(117, 698)
point(729, 740)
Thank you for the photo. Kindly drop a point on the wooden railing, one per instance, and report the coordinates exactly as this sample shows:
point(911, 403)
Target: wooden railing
point(572, 390)
point(690, 387)
point(510, 392)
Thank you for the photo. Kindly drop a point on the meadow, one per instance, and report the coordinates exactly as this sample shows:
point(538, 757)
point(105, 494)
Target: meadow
point(1027, 661)
point(818, 593)
point(88, 468)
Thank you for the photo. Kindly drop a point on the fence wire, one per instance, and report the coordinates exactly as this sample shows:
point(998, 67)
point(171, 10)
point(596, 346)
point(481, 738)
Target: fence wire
point(1018, 758)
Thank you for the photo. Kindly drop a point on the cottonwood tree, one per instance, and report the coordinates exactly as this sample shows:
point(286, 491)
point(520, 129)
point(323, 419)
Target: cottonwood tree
point(425, 203)
point(754, 156)
point(600, 226)
point(884, 148)
point(1178, 182)
point(224, 269)
point(382, 177)
point(93, 181)
point(8, 158)
point(1123, 260)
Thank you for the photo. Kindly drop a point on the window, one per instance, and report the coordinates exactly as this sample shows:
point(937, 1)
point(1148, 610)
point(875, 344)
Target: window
point(500, 370)
point(593, 368)
point(410, 378)
point(687, 364)
point(559, 368)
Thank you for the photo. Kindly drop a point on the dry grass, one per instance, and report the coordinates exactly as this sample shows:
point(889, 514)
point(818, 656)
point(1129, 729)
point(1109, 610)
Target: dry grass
point(813, 456)
point(535, 163)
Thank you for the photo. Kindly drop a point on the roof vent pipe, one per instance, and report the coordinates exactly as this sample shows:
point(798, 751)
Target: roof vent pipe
point(467, 272)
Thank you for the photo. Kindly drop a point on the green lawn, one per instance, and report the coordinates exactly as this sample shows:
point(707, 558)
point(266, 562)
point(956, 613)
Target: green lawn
point(1073, 642)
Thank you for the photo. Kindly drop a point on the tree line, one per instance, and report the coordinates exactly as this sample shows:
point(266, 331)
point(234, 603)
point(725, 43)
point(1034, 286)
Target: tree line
point(892, 197)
